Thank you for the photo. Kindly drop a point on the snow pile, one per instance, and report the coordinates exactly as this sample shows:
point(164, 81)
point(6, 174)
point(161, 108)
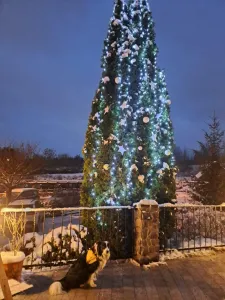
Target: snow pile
point(148, 266)
point(175, 254)
point(31, 240)
point(145, 202)
point(9, 257)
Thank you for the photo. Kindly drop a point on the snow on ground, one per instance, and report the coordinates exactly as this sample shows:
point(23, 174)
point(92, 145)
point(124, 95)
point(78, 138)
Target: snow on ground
point(175, 254)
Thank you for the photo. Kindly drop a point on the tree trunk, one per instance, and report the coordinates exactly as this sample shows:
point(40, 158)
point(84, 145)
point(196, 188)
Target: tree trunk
point(8, 195)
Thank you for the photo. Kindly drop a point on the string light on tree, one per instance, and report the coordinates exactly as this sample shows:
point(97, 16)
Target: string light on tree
point(131, 135)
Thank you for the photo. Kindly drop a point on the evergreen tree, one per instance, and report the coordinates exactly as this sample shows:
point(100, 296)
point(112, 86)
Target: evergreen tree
point(210, 186)
point(129, 144)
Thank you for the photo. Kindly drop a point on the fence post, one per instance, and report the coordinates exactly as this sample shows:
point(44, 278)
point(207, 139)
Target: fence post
point(146, 229)
point(4, 282)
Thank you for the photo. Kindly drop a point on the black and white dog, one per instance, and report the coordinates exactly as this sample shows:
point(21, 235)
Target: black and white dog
point(84, 270)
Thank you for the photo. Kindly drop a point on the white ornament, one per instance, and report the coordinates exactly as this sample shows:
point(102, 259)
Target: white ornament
point(136, 47)
point(125, 17)
point(125, 54)
point(149, 62)
point(168, 102)
point(105, 79)
point(135, 53)
point(94, 128)
point(168, 152)
point(116, 22)
point(146, 119)
point(109, 54)
point(121, 150)
point(113, 137)
point(97, 115)
point(153, 85)
point(85, 150)
point(141, 178)
point(113, 44)
point(127, 51)
point(129, 113)
point(159, 171)
point(124, 105)
point(140, 148)
point(154, 137)
point(131, 38)
point(162, 99)
point(158, 116)
point(106, 167)
point(166, 166)
point(123, 122)
point(134, 167)
point(96, 174)
point(136, 12)
point(133, 60)
point(106, 109)
point(145, 78)
point(118, 80)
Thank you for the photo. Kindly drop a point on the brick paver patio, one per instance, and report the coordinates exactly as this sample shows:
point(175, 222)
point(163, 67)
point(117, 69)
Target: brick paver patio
point(191, 278)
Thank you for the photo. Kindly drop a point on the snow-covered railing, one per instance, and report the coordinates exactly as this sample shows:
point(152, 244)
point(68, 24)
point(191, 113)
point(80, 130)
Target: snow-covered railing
point(191, 227)
point(56, 236)
point(64, 209)
point(190, 205)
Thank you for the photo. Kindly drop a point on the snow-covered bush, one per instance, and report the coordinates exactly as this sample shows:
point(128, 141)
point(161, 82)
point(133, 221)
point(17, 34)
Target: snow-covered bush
point(59, 245)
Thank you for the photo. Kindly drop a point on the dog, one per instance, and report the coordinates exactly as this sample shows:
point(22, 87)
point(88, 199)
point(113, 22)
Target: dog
point(84, 271)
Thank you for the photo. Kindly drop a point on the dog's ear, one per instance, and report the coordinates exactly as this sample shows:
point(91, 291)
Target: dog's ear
point(94, 248)
point(99, 248)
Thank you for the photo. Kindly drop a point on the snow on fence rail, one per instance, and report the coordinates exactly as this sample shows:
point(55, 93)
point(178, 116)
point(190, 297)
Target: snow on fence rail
point(57, 236)
point(190, 227)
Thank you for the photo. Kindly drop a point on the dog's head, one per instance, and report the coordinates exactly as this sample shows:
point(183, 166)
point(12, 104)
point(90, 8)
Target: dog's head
point(103, 250)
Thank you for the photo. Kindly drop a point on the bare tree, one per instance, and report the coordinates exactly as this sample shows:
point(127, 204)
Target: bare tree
point(17, 163)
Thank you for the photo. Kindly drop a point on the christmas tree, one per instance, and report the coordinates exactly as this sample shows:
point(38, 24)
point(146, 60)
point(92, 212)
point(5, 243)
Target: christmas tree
point(210, 185)
point(129, 144)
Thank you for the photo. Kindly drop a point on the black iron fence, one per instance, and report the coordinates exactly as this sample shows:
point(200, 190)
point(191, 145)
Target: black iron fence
point(187, 227)
point(58, 236)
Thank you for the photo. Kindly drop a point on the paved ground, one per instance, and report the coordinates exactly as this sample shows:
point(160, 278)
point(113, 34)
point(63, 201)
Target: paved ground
point(191, 278)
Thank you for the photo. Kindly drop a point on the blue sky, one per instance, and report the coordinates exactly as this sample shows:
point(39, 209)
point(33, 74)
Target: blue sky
point(50, 54)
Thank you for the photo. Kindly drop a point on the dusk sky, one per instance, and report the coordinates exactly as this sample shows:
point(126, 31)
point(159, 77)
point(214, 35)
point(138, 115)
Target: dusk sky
point(50, 54)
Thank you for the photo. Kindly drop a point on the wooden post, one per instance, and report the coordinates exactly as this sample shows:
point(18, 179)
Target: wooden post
point(4, 282)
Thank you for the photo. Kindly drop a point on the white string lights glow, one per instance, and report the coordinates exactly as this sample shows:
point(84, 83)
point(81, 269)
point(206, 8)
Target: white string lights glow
point(130, 136)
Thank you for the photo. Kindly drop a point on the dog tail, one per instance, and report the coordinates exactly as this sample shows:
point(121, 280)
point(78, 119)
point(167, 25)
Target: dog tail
point(56, 289)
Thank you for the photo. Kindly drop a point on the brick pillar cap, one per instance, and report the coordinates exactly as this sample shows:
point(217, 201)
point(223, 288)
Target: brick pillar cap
point(145, 202)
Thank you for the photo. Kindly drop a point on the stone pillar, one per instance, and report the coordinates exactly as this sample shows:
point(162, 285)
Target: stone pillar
point(146, 231)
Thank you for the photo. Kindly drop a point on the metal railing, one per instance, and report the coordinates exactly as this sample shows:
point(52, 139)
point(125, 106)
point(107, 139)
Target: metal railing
point(57, 236)
point(191, 227)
